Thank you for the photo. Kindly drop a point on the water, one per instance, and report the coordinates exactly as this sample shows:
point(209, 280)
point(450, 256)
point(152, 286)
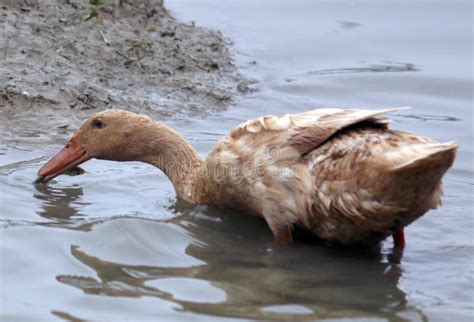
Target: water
point(114, 244)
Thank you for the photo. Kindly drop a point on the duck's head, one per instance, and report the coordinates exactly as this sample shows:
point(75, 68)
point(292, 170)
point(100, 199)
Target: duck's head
point(110, 135)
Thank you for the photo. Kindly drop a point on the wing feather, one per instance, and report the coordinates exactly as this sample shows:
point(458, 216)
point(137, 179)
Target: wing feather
point(306, 131)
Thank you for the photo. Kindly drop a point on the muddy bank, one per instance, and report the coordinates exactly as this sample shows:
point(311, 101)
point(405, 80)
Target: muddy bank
point(64, 59)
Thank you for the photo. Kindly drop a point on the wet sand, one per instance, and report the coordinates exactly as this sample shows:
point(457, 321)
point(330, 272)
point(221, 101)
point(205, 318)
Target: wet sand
point(62, 60)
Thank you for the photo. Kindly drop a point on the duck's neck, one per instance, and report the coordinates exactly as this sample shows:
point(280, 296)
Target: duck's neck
point(169, 151)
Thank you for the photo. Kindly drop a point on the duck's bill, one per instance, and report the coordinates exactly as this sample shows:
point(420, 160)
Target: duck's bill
point(68, 158)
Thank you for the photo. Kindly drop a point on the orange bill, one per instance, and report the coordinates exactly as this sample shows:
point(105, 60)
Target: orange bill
point(69, 157)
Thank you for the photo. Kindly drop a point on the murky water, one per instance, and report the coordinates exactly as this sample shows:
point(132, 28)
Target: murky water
point(114, 244)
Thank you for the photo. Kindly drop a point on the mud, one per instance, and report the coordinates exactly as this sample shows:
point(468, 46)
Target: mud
point(61, 59)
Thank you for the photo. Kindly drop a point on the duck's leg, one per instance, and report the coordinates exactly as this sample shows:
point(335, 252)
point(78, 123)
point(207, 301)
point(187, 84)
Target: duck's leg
point(284, 237)
point(399, 238)
point(281, 224)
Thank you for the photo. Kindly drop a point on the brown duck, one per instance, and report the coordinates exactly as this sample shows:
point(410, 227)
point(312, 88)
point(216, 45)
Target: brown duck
point(341, 174)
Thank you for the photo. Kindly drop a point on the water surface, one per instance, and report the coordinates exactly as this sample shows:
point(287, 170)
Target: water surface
point(115, 244)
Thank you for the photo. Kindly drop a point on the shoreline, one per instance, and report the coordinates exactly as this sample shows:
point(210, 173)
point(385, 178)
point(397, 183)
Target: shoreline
point(64, 59)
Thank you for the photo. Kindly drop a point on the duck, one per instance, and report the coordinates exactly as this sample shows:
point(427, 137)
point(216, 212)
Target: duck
point(340, 174)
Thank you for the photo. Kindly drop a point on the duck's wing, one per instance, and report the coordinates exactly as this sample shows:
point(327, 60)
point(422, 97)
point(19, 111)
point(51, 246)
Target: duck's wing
point(306, 131)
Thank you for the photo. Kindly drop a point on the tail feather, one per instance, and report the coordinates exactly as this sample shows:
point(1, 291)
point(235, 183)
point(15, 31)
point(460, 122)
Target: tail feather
point(432, 155)
point(416, 183)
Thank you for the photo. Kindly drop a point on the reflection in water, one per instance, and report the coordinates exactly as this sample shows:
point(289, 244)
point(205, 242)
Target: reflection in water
point(58, 203)
point(66, 316)
point(113, 279)
point(429, 117)
point(349, 24)
point(315, 280)
point(386, 67)
point(62, 207)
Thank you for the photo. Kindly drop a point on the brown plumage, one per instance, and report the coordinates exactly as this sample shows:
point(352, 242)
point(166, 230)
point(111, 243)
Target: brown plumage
point(341, 174)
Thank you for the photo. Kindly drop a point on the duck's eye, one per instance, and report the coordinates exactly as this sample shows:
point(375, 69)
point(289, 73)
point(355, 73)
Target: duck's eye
point(98, 124)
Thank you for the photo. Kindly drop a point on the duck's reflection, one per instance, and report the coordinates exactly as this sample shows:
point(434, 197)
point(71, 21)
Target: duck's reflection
point(327, 283)
point(58, 203)
point(113, 279)
point(62, 207)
